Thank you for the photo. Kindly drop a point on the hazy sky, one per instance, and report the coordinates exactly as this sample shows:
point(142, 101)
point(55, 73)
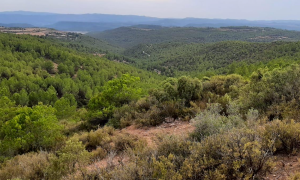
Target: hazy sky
point(234, 9)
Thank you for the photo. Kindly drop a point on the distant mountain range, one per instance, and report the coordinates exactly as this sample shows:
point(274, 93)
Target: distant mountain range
point(102, 22)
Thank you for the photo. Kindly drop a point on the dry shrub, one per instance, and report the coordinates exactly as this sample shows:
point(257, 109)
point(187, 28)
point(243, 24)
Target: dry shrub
point(137, 166)
point(212, 121)
point(157, 114)
point(27, 166)
point(238, 154)
point(105, 140)
point(129, 113)
point(284, 110)
point(178, 146)
point(70, 159)
point(165, 168)
point(235, 155)
point(99, 153)
point(101, 137)
point(125, 141)
point(81, 136)
point(285, 134)
point(151, 112)
point(244, 153)
point(296, 176)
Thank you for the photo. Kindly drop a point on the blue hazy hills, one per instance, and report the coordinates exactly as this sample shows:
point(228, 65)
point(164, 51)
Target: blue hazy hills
point(102, 22)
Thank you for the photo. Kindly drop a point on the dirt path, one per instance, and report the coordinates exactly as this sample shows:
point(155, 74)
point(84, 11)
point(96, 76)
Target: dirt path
point(55, 67)
point(286, 167)
point(150, 134)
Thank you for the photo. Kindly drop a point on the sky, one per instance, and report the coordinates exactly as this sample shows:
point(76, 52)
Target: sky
point(224, 9)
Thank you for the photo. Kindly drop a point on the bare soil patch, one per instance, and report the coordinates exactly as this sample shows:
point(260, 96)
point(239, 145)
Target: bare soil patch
point(286, 167)
point(150, 133)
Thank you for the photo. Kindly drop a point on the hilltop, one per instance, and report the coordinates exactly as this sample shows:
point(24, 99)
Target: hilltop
point(131, 36)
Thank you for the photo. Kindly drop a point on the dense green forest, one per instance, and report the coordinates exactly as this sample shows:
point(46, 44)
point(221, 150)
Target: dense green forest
point(87, 44)
point(37, 65)
point(63, 108)
point(127, 37)
point(200, 52)
point(175, 59)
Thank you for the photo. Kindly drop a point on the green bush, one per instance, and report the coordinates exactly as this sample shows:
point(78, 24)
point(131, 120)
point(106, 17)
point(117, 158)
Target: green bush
point(211, 121)
point(70, 159)
point(64, 108)
point(31, 129)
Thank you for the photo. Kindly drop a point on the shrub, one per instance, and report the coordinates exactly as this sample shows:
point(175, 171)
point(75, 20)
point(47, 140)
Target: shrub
point(189, 89)
point(26, 166)
point(210, 122)
point(31, 129)
point(296, 176)
point(123, 116)
point(115, 94)
point(158, 113)
point(175, 145)
point(235, 155)
point(285, 134)
point(101, 137)
point(165, 168)
point(71, 158)
point(99, 153)
point(184, 88)
point(124, 141)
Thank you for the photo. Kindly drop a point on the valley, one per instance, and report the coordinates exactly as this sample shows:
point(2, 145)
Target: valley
point(200, 52)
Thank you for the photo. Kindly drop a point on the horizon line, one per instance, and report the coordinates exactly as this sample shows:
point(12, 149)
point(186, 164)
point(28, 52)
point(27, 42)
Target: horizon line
point(54, 13)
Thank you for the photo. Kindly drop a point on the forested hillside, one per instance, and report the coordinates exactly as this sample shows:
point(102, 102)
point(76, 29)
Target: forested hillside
point(87, 44)
point(37, 70)
point(127, 37)
point(68, 113)
point(175, 59)
point(202, 52)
